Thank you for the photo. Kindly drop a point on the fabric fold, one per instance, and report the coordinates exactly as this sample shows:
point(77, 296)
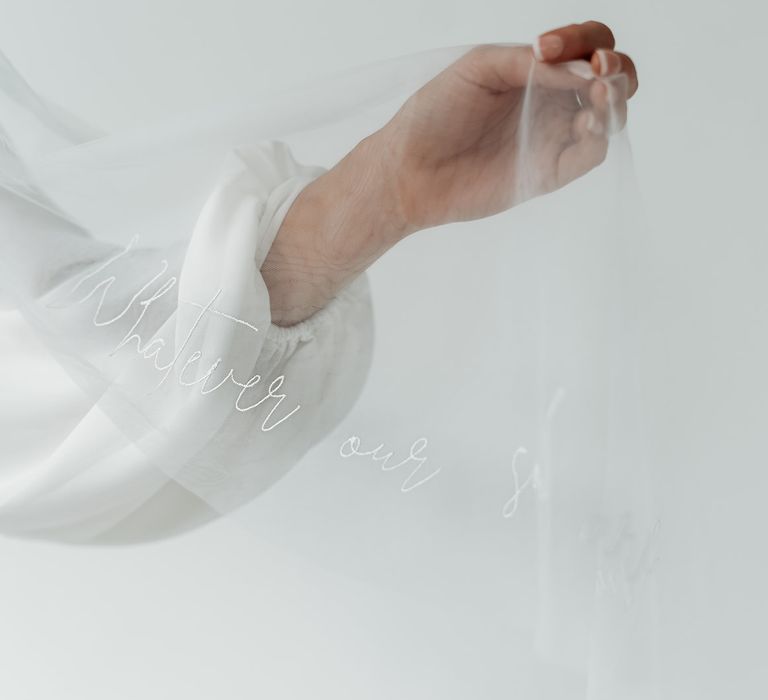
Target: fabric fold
point(190, 346)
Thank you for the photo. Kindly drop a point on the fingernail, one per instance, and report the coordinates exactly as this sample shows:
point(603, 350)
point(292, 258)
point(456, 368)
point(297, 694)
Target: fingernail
point(547, 47)
point(579, 68)
point(602, 61)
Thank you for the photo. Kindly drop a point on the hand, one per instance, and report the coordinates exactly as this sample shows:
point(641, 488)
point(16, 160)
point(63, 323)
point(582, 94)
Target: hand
point(456, 151)
point(452, 153)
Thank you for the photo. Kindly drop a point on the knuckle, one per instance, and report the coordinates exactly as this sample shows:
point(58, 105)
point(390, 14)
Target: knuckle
point(477, 58)
point(474, 60)
point(478, 51)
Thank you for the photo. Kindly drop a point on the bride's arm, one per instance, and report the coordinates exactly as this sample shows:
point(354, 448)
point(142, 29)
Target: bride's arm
point(449, 154)
point(337, 227)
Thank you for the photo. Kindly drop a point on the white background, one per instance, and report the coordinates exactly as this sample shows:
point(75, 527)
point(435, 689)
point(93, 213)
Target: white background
point(162, 621)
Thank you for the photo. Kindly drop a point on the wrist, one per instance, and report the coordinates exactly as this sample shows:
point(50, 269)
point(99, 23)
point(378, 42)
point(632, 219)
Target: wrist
point(370, 179)
point(336, 228)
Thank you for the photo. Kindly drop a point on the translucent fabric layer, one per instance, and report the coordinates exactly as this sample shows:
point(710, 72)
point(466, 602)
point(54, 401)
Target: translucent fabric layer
point(460, 428)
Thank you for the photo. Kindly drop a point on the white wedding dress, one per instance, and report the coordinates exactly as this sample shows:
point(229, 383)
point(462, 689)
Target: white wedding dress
point(145, 390)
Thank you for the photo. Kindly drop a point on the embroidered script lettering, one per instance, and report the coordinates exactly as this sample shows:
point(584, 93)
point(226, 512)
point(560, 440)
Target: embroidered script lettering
point(150, 350)
point(351, 447)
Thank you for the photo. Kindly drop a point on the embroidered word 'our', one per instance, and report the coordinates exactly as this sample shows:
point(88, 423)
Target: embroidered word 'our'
point(351, 447)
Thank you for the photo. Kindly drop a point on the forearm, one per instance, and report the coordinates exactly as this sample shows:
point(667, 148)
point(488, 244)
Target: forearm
point(337, 227)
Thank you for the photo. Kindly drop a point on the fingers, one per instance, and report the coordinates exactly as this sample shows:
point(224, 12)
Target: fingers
point(501, 68)
point(572, 42)
point(608, 99)
point(586, 123)
point(594, 42)
point(580, 157)
point(606, 63)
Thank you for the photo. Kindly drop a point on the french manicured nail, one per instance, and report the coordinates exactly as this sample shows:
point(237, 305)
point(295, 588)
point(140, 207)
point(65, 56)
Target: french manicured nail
point(579, 68)
point(602, 62)
point(547, 47)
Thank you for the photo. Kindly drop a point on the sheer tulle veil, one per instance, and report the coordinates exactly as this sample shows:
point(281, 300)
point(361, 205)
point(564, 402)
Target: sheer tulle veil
point(469, 434)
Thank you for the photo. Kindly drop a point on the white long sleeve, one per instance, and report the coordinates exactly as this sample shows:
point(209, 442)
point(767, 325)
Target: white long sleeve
point(99, 469)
